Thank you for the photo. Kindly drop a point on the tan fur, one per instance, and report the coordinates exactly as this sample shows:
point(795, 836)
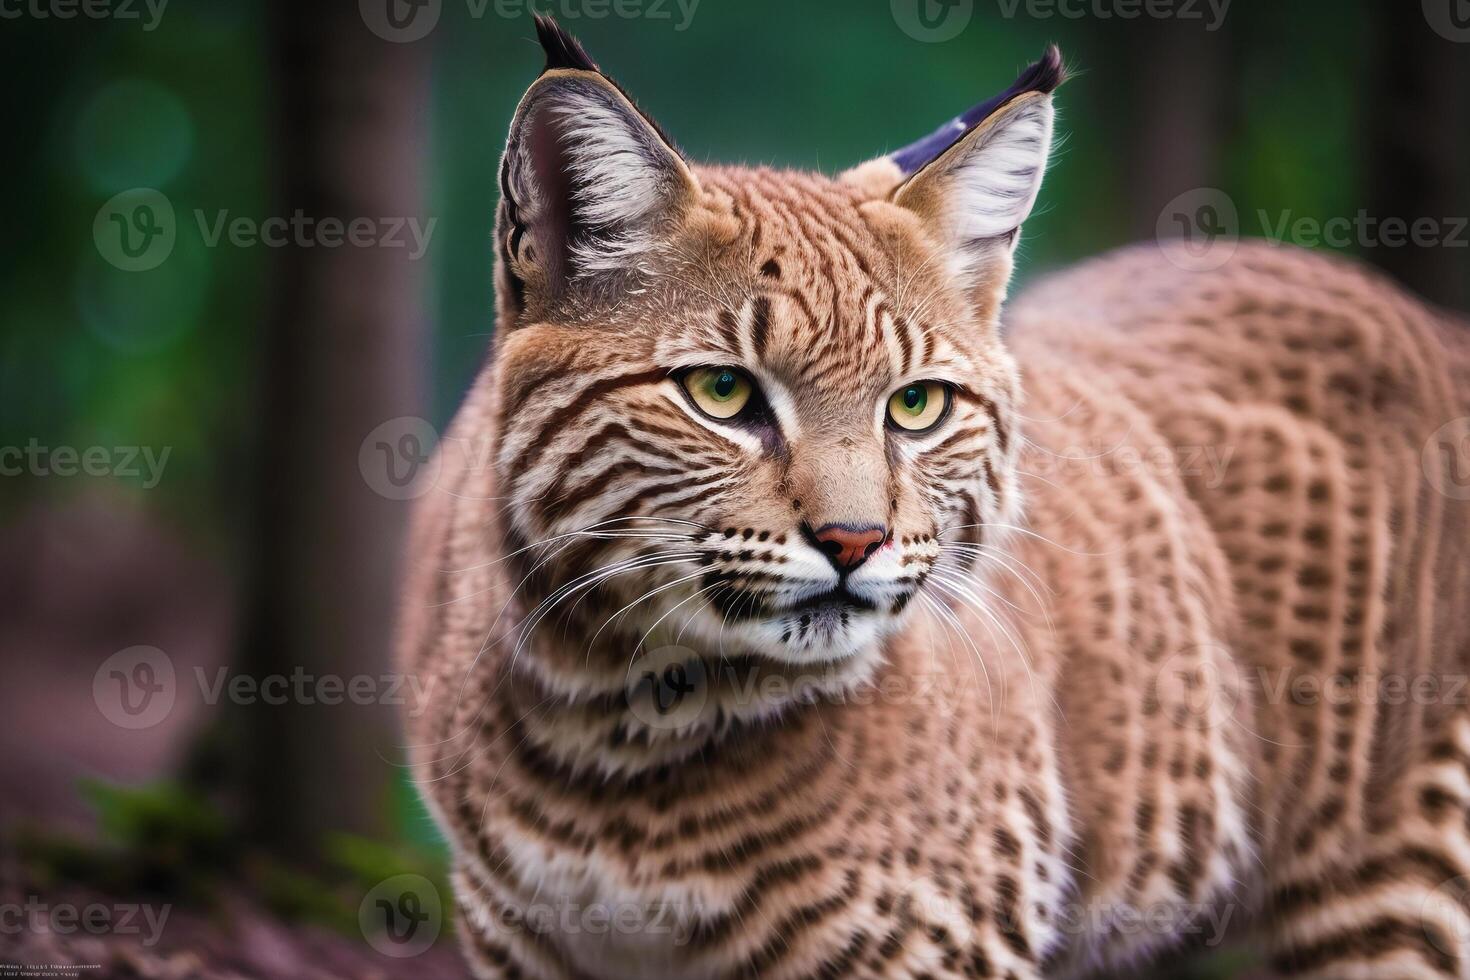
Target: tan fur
point(1080, 712)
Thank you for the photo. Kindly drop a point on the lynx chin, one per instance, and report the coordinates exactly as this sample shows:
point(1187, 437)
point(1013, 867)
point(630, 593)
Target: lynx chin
point(780, 635)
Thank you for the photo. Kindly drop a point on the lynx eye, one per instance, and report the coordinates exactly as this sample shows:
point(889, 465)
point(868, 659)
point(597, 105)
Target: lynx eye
point(918, 407)
point(720, 392)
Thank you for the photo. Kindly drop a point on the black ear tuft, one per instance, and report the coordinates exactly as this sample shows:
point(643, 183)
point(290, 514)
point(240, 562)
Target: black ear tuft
point(1044, 76)
point(562, 50)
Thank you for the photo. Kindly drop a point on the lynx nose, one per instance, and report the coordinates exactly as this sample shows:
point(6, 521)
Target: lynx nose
point(847, 547)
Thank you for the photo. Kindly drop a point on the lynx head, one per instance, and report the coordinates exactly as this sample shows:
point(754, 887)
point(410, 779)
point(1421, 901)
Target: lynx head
point(756, 413)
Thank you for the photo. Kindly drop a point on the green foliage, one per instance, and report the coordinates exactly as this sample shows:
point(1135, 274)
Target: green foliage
point(165, 839)
point(413, 824)
point(154, 839)
point(159, 815)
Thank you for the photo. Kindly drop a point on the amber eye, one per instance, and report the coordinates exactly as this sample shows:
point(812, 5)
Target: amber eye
point(720, 392)
point(918, 407)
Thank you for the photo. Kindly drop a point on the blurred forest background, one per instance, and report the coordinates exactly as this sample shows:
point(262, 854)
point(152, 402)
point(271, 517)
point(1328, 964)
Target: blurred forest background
point(260, 544)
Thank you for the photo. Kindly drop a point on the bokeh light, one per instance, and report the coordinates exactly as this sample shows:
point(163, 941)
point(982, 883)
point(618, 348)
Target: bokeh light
point(132, 133)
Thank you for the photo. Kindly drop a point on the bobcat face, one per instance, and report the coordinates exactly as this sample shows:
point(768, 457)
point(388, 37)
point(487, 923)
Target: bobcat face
point(749, 413)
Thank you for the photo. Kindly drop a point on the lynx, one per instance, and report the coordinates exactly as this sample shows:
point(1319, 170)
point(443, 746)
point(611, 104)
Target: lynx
point(813, 614)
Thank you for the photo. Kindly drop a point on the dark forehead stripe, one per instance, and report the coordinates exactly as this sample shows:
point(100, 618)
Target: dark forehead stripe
point(729, 325)
point(844, 324)
point(900, 330)
point(872, 323)
point(828, 259)
point(760, 325)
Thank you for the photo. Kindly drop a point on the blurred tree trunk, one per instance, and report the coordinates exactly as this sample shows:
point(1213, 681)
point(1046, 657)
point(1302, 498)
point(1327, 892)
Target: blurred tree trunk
point(343, 352)
point(1418, 148)
point(1173, 113)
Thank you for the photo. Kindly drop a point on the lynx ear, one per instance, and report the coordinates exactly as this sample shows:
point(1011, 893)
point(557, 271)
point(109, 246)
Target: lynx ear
point(588, 182)
point(974, 179)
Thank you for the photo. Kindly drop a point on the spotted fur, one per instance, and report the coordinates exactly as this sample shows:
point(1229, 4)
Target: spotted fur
point(660, 747)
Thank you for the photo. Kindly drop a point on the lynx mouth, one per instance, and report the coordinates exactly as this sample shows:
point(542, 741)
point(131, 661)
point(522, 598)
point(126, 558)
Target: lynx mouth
point(835, 601)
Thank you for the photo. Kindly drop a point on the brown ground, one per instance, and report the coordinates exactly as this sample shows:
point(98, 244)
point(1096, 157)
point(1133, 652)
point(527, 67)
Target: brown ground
point(81, 579)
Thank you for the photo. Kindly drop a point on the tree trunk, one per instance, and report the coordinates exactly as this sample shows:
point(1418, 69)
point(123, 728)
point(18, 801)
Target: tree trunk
point(343, 352)
point(1417, 149)
point(1173, 116)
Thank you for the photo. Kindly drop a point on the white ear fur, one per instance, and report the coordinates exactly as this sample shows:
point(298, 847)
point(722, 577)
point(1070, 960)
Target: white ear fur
point(618, 190)
point(996, 183)
point(591, 178)
point(979, 191)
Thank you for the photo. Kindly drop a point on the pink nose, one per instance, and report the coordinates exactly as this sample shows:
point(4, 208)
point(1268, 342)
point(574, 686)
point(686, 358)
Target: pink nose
point(847, 547)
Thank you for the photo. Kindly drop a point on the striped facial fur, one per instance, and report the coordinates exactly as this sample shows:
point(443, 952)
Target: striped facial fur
point(745, 413)
point(767, 632)
point(800, 527)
